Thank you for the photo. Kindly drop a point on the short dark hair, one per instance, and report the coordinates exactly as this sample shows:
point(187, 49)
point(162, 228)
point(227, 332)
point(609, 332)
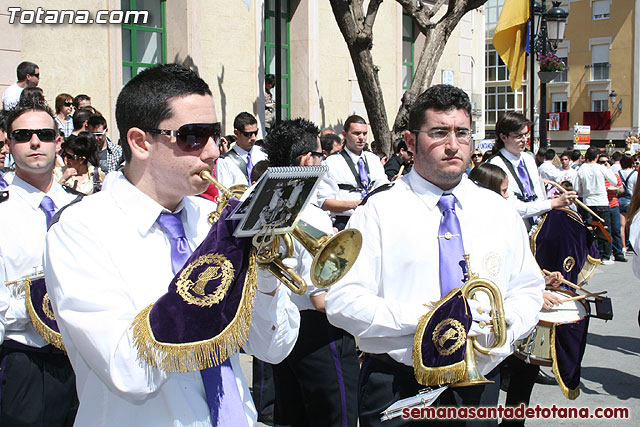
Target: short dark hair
point(270, 78)
point(259, 169)
point(61, 99)
point(399, 144)
point(328, 140)
point(575, 155)
point(81, 97)
point(616, 156)
point(290, 140)
point(97, 120)
point(31, 95)
point(489, 176)
point(22, 108)
point(144, 100)
point(354, 118)
point(84, 144)
point(591, 154)
point(626, 161)
point(25, 68)
point(244, 119)
point(3, 120)
point(567, 153)
point(440, 98)
point(80, 116)
point(510, 121)
point(550, 154)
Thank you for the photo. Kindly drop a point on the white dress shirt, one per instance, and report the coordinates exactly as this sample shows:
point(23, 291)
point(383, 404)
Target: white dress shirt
point(101, 274)
point(549, 171)
point(24, 226)
point(227, 171)
point(340, 173)
point(590, 184)
point(525, 209)
point(383, 296)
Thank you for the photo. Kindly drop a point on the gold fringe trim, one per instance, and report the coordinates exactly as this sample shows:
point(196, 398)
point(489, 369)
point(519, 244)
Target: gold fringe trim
point(568, 393)
point(534, 233)
point(428, 376)
point(196, 356)
point(52, 337)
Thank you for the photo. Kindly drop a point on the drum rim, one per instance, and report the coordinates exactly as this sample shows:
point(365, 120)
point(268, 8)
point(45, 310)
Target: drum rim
point(570, 294)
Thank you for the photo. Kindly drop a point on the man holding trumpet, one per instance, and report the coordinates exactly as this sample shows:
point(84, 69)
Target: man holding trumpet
point(414, 238)
point(101, 276)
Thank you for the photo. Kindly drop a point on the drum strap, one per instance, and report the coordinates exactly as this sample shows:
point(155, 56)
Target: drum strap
point(509, 166)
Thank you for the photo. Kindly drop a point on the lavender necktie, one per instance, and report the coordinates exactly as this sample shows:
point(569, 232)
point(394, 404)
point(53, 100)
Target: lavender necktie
point(524, 179)
point(452, 265)
point(225, 405)
point(3, 183)
point(364, 178)
point(249, 167)
point(49, 209)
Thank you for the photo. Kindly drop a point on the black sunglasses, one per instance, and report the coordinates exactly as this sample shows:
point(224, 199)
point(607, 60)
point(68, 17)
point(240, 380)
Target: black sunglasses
point(248, 134)
point(1, 144)
point(68, 104)
point(192, 136)
point(69, 156)
point(316, 153)
point(37, 75)
point(24, 135)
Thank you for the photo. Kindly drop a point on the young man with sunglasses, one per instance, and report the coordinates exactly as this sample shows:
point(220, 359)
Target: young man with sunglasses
point(321, 373)
point(110, 154)
point(38, 384)
point(28, 76)
point(235, 166)
point(103, 273)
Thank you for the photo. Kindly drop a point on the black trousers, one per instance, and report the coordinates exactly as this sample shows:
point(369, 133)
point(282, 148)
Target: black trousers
point(521, 377)
point(384, 381)
point(317, 384)
point(38, 389)
point(263, 390)
point(604, 247)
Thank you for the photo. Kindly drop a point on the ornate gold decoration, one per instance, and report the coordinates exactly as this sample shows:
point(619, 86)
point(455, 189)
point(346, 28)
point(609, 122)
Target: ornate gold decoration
point(453, 330)
point(46, 307)
point(194, 293)
point(569, 263)
point(491, 264)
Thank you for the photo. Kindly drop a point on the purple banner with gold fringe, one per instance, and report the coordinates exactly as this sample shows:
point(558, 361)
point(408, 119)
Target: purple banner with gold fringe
point(40, 311)
point(568, 342)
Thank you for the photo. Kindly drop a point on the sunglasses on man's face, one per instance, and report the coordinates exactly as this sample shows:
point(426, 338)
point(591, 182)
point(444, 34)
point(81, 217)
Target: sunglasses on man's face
point(249, 134)
point(24, 135)
point(192, 136)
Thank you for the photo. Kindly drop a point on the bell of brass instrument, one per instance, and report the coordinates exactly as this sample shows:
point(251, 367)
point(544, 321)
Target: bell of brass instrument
point(474, 284)
point(333, 255)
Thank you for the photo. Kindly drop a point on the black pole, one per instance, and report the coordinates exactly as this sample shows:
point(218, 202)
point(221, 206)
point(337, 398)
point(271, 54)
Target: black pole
point(278, 47)
point(543, 86)
point(532, 68)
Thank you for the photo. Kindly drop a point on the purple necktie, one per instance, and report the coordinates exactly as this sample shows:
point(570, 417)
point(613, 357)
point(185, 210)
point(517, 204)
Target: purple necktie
point(225, 405)
point(524, 179)
point(3, 183)
point(249, 167)
point(452, 264)
point(47, 206)
point(364, 178)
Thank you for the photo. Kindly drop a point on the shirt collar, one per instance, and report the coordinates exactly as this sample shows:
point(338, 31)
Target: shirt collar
point(510, 156)
point(33, 196)
point(353, 155)
point(141, 209)
point(430, 193)
point(241, 151)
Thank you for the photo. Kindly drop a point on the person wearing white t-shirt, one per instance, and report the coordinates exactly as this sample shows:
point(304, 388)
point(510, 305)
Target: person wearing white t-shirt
point(28, 76)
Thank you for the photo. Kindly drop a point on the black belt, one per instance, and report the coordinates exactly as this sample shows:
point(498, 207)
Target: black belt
point(387, 363)
point(16, 346)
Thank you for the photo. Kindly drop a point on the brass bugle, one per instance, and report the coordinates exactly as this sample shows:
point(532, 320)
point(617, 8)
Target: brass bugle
point(225, 195)
point(271, 259)
point(473, 376)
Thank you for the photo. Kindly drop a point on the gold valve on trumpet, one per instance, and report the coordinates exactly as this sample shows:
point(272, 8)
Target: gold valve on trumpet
point(333, 255)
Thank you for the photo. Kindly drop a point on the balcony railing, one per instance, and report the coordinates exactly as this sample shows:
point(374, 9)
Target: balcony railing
point(599, 70)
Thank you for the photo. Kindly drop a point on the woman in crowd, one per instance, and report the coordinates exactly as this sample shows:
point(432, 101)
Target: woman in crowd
point(64, 113)
point(476, 159)
point(80, 156)
point(629, 176)
point(491, 177)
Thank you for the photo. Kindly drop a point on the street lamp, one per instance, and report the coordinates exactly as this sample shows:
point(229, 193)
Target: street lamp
point(550, 25)
point(613, 96)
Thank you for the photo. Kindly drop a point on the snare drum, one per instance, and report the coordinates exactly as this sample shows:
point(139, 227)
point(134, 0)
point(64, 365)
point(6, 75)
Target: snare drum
point(536, 348)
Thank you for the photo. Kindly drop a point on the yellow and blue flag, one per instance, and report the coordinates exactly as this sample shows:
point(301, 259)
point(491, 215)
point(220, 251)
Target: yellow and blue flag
point(510, 38)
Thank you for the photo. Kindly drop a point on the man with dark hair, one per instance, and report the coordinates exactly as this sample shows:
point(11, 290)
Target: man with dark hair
point(235, 166)
point(28, 75)
point(80, 119)
point(547, 169)
point(353, 173)
point(526, 189)
point(395, 278)
point(110, 154)
point(401, 157)
point(321, 373)
point(567, 173)
point(38, 384)
point(82, 101)
point(102, 274)
point(590, 185)
point(331, 143)
point(576, 157)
